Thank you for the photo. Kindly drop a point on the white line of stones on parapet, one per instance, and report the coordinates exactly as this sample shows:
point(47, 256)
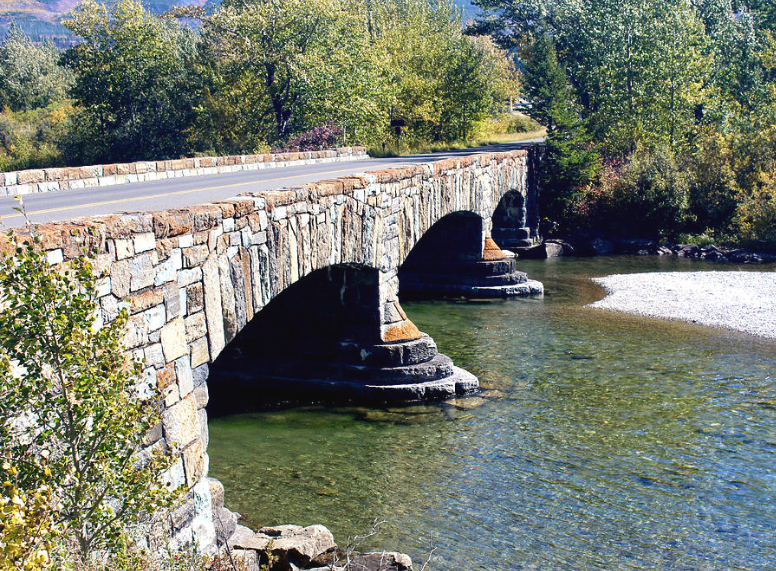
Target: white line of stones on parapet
point(12, 187)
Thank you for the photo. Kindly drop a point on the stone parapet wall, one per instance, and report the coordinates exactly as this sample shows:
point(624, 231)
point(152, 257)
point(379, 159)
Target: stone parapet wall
point(193, 277)
point(96, 176)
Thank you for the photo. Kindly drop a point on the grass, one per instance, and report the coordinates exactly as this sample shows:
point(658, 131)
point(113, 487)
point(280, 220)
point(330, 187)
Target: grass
point(420, 148)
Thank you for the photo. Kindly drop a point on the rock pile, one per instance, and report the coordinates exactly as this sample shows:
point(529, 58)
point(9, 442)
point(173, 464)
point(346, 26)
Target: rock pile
point(292, 548)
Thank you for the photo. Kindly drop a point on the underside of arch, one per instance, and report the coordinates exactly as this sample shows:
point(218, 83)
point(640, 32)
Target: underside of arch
point(332, 335)
point(458, 257)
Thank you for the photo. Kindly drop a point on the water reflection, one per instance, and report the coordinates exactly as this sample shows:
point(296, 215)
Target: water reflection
point(600, 442)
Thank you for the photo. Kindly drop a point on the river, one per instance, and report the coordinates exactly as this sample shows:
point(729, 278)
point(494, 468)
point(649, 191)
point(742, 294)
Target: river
point(600, 441)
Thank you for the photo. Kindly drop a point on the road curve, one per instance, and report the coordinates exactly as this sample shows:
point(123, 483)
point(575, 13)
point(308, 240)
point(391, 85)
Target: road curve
point(182, 192)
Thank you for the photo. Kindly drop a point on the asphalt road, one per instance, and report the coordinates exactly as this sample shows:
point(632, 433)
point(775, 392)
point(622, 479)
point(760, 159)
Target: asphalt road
point(186, 191)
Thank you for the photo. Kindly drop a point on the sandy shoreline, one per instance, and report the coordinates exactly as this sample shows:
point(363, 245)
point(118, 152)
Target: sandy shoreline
point(744, 301)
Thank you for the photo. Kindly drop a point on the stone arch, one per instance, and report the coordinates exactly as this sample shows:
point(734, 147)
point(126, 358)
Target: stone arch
point(324, 314)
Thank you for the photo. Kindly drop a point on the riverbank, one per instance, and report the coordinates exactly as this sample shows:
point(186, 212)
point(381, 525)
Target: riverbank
point(588, 245)
point(744, 301)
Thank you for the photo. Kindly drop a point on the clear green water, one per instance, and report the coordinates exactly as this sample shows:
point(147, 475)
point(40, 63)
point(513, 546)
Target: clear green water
point(601, 441)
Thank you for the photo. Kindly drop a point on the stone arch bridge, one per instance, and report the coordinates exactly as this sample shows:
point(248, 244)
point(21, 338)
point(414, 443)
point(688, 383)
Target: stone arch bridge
point(297, 289)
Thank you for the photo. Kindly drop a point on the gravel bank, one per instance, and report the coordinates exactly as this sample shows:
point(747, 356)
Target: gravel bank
point(744, 301)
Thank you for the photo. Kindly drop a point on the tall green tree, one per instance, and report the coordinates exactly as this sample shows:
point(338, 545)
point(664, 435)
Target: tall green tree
point(133, 81)
point(293, 53)
point(570, 163)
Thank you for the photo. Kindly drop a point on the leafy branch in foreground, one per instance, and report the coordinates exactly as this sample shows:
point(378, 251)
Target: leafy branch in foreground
point(72, 409)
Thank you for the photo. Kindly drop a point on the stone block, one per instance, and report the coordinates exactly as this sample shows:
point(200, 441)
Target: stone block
point(141, 270)
point(180, 422)
point(165, 377)
point(194, 256)
point(170, 223)
point(172, 301)
point(184, 376)
point(167, 271)
point(216, 490)
point(173, 479)
point(173, 338)
point(144, 242)
point(188, 277)
point(182, 301)
point(196, 326)
point(201, 394)
point(120, 279)
point(213, 313)
point(30, 176)
point(194, 461)
point(143, 301)
point(55, 257)
point(136, 334)
point(153, 355)
point(200, 374)
point(155, 317)
point(200, 354)
point(204, 434)
point(152, 436)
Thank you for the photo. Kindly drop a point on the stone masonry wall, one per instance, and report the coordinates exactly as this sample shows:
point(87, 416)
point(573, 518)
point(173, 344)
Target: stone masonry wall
point(193, 277)
point(74, 178)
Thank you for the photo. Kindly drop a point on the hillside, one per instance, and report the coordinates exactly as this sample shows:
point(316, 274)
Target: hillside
point(41, 19)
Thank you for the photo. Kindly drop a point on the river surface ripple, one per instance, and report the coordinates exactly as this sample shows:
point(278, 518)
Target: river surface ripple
point(600, 441)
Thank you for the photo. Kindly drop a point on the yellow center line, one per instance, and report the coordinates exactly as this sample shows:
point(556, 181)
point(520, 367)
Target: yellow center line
point(164, 194)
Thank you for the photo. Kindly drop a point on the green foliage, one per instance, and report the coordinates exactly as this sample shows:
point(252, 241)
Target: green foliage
point(276, 68)
point(287, 57)
point(36, 138)
point(30, 74)
point(652, 195)
point(132, 80)
point(677, 97)
point(713, 189)
point(72, 407)
point(249, 76)
point(569, 164)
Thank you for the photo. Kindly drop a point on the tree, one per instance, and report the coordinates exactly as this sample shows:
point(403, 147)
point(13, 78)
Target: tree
point(133, 81)
point(72, 408)
point(287, 52)
point(30, 74)
point(570, 163)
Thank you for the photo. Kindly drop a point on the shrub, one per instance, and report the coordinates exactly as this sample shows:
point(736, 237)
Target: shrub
point(755, 217)
point(713, 189)
point(74, 399)
point(34, 139)
point(316, 139)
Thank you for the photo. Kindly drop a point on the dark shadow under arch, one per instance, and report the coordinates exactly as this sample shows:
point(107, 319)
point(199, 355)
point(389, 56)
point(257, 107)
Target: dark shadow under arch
point(510, 222)
point(314, 322)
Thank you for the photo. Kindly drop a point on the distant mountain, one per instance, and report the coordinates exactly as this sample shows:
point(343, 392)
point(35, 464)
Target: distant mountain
point(41, 19)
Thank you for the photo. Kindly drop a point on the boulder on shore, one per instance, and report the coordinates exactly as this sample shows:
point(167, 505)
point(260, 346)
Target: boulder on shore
point(293, 548)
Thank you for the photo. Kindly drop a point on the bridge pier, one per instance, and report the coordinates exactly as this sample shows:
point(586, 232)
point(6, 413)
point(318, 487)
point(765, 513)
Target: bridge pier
point(338, 334)
point(458, 257)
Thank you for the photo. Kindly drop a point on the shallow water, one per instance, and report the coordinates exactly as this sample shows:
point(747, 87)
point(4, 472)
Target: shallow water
point(600, 441)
